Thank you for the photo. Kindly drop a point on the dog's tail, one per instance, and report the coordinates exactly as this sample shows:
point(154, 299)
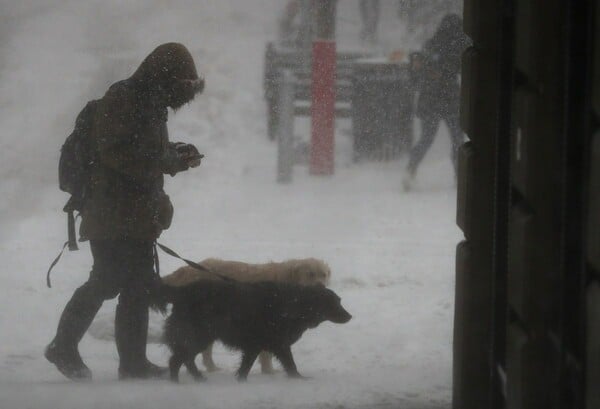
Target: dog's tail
point(161, 296)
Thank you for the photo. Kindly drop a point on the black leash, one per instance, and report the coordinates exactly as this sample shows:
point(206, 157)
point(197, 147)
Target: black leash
point(54, 263)
point(190, 263)
point(156, 262)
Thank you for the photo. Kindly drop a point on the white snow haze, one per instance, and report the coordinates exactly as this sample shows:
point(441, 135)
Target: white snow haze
point(391, 252)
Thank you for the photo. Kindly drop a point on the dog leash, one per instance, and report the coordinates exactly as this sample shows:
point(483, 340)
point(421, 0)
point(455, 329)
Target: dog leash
point(189, 263)
point(156, 263)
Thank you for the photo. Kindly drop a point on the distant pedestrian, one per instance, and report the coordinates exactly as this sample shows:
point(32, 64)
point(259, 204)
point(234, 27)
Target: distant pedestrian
point(406, 12)
point(296, 24)
point(436, 72)
point(369, 13)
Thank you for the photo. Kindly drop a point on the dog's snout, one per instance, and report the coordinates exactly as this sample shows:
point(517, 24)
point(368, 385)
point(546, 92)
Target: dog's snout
point(342, 316)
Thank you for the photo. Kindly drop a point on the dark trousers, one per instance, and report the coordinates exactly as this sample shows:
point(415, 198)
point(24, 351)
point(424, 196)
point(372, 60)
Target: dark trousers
point(429, 128)
point(121, 267)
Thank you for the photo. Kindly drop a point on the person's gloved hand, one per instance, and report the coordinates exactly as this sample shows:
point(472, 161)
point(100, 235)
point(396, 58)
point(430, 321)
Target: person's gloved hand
point(180, 157)
point(189, 154)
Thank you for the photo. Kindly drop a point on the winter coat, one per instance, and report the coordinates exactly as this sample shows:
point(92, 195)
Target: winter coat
point(132, 150)
point(439, 91)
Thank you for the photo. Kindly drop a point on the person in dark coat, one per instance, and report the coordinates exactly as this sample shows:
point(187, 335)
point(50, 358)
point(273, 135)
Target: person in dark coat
point(126, 208)
point(437, 69)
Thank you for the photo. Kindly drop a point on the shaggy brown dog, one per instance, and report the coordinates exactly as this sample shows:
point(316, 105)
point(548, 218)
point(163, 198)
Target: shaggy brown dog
point(252, 317)
point(306, 271)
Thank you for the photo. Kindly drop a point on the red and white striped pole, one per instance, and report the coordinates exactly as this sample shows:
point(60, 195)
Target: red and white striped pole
point(323, 90)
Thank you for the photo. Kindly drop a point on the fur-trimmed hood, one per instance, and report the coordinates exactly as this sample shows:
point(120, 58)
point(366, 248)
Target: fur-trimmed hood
point(169, 71)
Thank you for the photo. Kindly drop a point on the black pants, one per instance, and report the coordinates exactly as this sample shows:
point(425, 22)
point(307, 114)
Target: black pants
point(429, 128)
point(121, 267)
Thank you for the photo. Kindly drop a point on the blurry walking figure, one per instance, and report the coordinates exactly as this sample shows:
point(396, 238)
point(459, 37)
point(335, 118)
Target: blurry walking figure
point(296, 26)
point(406, 12)
point(369, 14)
point(436, 70)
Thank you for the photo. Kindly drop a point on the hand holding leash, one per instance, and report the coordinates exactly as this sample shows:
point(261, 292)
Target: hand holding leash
point(189, 153)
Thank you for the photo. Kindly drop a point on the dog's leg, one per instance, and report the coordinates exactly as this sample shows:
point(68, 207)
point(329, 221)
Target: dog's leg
point(207, 359)
point(190, 364)
point(248, 358)
point(287, 360)
point(174, 365)
point(266, 364)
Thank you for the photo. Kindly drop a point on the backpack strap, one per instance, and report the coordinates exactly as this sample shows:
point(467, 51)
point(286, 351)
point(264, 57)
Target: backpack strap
point(70, 207)
point(72, 240)
point(191, 263)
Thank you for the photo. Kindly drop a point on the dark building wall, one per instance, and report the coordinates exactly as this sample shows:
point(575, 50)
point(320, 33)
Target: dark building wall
point(590, 346)
point(481, 107)
point(527, 323)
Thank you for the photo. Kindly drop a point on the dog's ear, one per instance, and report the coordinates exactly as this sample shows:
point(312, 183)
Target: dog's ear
point(308, 307)
point(311, 276)
point(297, 273)
point(298, 308)
point(307, 274)
point(317, 271)
point(291, 309)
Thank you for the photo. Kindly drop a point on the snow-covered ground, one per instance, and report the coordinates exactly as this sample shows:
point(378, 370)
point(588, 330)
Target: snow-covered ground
point(391, 253)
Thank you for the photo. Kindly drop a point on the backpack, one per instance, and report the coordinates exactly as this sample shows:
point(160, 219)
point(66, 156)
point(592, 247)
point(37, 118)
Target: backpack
point(74, 166)
point(74, 171)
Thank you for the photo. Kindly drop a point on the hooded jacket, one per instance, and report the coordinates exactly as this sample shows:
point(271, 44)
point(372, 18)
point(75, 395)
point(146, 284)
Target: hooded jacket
point(132, 149)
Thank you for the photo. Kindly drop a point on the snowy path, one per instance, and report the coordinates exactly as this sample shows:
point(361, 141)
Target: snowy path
point(391, 253)
point(396, 349)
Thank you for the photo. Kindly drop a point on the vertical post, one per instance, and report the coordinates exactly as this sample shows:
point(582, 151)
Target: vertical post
point(323, 89)
point(285, 128)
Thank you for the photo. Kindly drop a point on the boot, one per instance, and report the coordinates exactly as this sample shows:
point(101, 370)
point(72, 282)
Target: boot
point(131, 333)
point(68, 362)
point(74, 322)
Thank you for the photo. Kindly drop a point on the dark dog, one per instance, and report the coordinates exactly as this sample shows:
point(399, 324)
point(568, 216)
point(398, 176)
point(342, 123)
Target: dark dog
point(251, 317)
